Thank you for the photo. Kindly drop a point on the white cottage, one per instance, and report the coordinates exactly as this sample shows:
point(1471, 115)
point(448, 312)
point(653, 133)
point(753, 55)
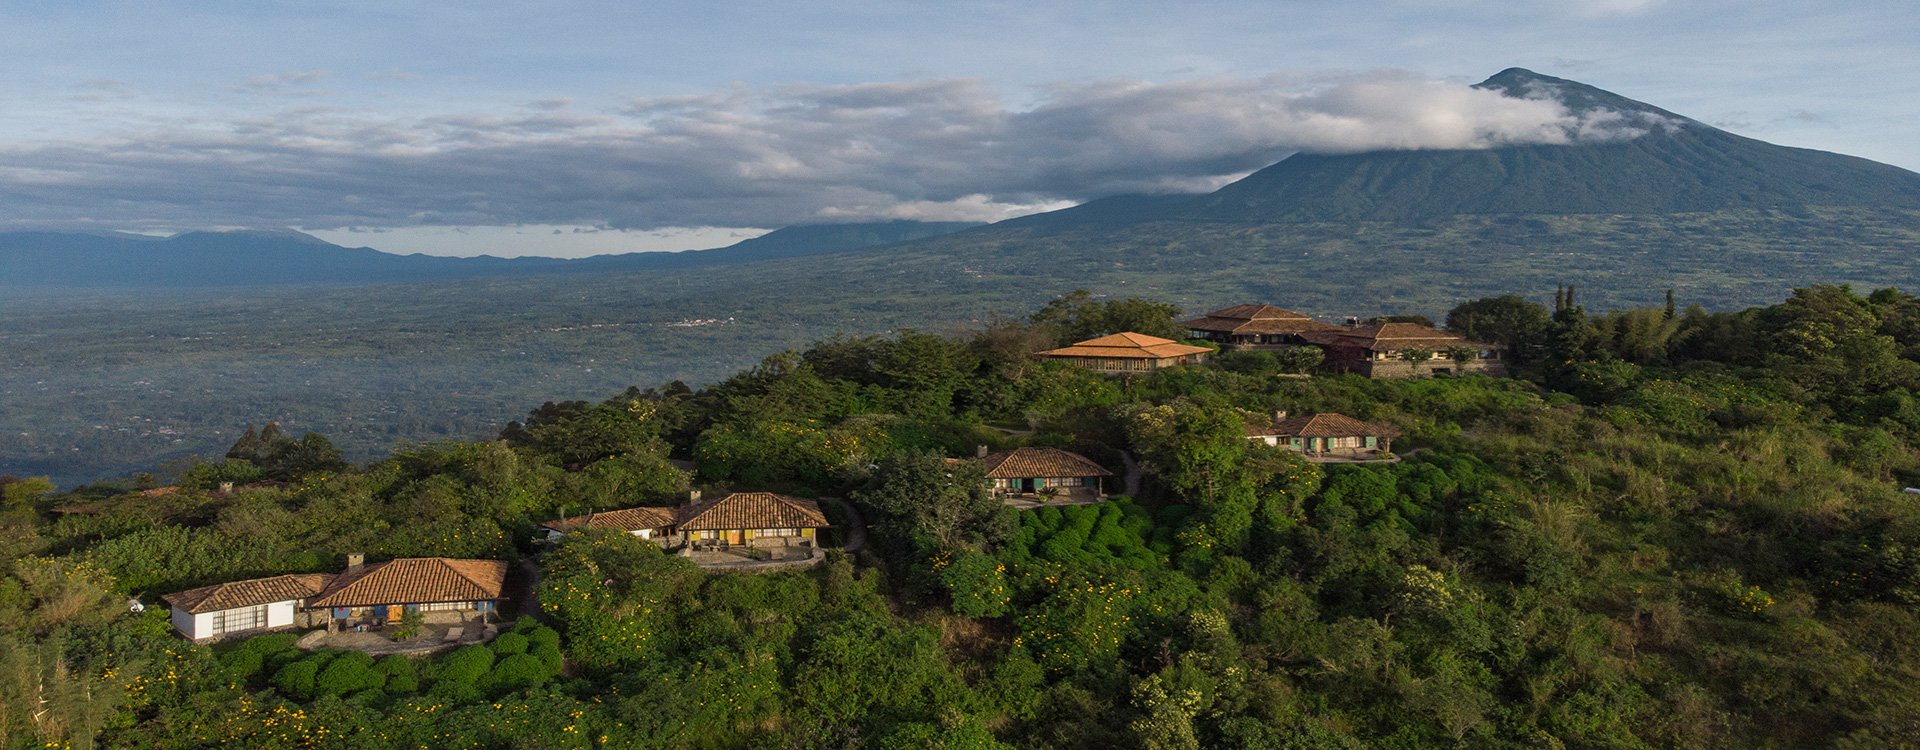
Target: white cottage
point(212, 612)
point(646, 523)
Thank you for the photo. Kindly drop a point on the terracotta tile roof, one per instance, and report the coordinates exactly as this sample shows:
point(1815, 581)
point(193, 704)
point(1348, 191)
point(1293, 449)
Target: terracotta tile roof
point(415, 580)
point(1027, 463)
point(1324, 425)
point(1256, 319)
point(626, 519)
point(1392, 337)
point(1127, 346)
point(249, 593)
point(752, 510)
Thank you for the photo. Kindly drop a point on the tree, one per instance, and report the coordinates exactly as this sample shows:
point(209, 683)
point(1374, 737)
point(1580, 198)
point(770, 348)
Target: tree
point(976, 583)
point(1573, 339)
point(1828, 340)
point(1198, 453)
point(1513, 321)
point(1299, 359)
point(292, 459)
point(577, 433)
point(1075, 316)
point(627, 480)
point(1643, 336)
point(947, 504)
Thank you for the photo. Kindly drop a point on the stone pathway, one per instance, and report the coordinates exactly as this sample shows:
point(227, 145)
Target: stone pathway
point(1029, 502)
point(432, 638)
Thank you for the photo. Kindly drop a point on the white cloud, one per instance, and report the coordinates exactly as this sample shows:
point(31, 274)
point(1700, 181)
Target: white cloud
point(755, 157)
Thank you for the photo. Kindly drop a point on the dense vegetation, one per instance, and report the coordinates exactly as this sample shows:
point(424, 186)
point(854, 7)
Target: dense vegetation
point(1680, 528)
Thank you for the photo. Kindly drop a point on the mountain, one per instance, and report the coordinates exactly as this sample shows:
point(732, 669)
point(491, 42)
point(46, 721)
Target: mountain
point(257, 258)
point(789, 242)
point(1675, 165)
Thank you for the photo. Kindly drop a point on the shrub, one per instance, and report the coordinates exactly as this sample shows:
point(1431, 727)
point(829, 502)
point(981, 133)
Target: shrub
point(411, 621)
point(464, 666)
point(296, 680)
point(510, 643)
point(456, 692)
point(242, 665)
point(349, 673)
point(539, 635)
point(248, 658)
point(270, 643)
point(403, 676)
point(549, 655)
point(977, 584)
point(516, 672)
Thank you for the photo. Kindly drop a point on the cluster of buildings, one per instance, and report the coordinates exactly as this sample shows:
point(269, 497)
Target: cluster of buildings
point(1378, 350)
point(779, 526)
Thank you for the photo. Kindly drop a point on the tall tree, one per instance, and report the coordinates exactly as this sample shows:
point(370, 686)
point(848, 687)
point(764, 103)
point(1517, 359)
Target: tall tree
point(1514, 321)
point(945, 504)
point(1076, 316)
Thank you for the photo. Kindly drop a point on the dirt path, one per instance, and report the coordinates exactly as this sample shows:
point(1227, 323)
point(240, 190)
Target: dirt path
point(856, 525)
point(1132, 488)
point(526, 603)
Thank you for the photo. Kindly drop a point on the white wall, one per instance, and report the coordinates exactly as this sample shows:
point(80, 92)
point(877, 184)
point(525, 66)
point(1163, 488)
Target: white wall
point(196, 627)
point(186, 623)
point(280, 614)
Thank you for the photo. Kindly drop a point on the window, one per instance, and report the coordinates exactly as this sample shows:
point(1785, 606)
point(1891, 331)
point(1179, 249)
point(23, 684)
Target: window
point(777, 532)
point(708, 534)
point(235, 620)
point(444, 606)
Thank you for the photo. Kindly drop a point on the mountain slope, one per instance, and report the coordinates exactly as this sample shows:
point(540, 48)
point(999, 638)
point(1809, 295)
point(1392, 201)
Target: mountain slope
point(1678, 165)
point(788, 242)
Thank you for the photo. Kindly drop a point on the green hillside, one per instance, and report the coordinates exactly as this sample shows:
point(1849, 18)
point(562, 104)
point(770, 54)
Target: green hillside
point(1677, 529)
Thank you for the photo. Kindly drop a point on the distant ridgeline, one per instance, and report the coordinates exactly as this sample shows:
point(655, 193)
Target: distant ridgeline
point(205, 259)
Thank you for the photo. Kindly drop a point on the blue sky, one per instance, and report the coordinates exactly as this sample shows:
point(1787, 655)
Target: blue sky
point(574, 128)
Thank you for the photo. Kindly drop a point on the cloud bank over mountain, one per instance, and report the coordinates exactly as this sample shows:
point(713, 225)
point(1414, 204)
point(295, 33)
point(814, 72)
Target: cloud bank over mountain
point(755, 156)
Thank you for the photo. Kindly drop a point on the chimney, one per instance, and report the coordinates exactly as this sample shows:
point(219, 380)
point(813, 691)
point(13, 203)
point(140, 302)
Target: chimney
point(980, 452)
point(1353, 321)
point(355, 560)
point(226, 488)
point(1279, 415)
point(693, 496)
